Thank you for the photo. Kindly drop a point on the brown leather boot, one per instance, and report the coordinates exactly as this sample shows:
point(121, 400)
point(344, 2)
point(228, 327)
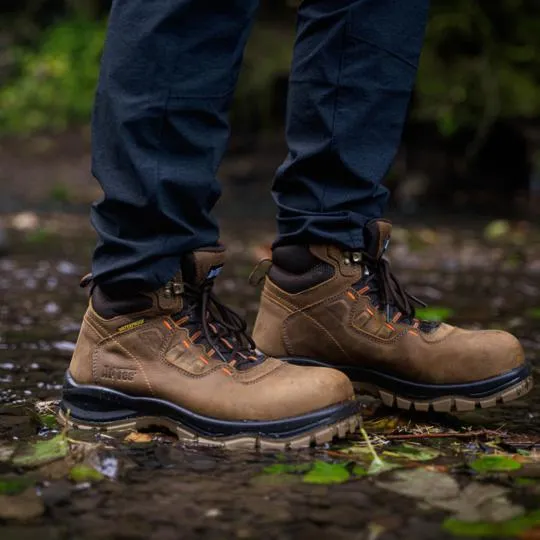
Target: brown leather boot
point(321, 306)
point(179, 358)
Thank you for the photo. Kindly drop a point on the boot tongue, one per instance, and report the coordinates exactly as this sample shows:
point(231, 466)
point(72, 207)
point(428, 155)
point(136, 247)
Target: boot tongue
point(377, 237)
point(203, 264)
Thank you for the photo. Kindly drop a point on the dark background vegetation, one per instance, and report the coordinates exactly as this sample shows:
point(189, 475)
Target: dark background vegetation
point(473, 135)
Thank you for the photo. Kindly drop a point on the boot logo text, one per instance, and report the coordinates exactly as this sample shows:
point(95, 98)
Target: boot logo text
point(118, 374)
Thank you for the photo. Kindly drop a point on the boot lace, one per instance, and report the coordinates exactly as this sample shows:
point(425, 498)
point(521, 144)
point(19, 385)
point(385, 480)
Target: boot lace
point(222, 329)
point(386, 292)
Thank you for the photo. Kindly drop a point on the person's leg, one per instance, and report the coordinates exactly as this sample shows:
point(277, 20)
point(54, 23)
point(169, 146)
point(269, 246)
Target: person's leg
point(353, 71)
point(354, 67)
point(156, 346)
point(160, 129)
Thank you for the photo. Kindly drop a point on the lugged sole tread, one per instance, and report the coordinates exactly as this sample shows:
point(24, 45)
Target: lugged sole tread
point(455, 403)
point(318, 436)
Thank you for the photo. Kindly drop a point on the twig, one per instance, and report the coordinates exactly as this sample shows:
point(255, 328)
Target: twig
point(445, 435)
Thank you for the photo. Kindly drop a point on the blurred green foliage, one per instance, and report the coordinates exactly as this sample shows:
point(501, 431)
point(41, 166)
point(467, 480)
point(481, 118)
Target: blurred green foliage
point(55, 83)
point(479, 64)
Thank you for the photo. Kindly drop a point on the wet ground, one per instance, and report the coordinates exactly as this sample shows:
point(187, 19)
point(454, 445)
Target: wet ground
point(477, 274)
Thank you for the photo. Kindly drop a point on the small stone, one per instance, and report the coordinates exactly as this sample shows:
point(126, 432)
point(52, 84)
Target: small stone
point(25, 221)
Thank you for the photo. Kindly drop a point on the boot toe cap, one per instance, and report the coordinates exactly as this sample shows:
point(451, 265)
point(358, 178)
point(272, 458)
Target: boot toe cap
point(466, 356)
point(505, 352)
point(491, 353)
point(317, 388)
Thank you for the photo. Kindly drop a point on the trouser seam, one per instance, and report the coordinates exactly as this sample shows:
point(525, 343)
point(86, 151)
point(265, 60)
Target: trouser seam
point(159, 153)
point(334, 115)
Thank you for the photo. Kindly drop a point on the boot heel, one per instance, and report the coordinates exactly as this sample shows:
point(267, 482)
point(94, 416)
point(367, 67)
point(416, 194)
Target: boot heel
point(93, 404)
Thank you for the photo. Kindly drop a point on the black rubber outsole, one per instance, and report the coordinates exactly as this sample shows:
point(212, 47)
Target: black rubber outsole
point(96, 407)
point(405, 394)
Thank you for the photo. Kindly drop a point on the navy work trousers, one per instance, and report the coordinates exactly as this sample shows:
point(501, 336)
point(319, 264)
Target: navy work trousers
point(160, 128)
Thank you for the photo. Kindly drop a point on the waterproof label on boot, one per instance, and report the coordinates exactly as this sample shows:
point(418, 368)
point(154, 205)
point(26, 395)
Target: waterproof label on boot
point(131, 325)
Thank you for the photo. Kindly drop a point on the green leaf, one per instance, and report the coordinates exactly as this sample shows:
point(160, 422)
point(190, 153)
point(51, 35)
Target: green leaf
point(287, 468)
point(41, 452)
point(512, 527)
point(385, 424)
point(48, 420)
point(11, 485)
point(358, 470)
point(487, 464)
point(413, 452)
point(437, 314)
point(327, 473)
point(84, 473)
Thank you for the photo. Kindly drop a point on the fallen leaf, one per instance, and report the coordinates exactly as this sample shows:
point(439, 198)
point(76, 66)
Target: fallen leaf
point(48, 420)
point(476, 503)
point(437, 468)
point(11, 485)
point(487, 464)
point(41, 452)
point(481, 502)
point(138, 437)
point(287, 468)
point(327, 473)
point(422, 484)
point(358, 470)
point(513, 527)
point(83, 473)
point(26, 505)
point(413, 452)
point(386, 424)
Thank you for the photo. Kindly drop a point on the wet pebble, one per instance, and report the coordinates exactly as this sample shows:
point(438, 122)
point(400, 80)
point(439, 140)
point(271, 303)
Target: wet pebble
point(68, 346)
point(67, 268)
point(51, 308)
